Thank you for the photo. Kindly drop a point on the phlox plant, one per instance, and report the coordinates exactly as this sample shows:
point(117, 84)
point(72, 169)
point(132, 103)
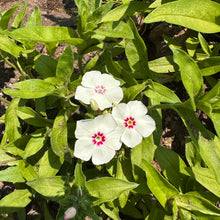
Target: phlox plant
point(87, 139)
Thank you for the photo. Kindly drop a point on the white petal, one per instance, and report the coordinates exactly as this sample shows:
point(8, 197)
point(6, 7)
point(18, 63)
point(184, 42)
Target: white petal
point(137, 108)
point(113, 139)
point(114, 95)
point(108, 81)
point(91, 79)
point(84, 94)
point(131, 138)
point(85, 128)
point(102, 154)
point(119, 113)
point(84, 149)
point(101, 101)
point(105, 123)
point(145, 125)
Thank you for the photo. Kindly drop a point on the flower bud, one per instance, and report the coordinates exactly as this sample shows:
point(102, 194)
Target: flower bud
point(70, 213)
point(94, 105)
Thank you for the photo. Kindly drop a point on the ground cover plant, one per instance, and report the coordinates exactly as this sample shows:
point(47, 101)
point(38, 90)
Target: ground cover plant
point(87, 140)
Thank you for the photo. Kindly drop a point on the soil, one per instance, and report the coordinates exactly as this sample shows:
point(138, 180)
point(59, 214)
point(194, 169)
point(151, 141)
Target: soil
point(62, 13)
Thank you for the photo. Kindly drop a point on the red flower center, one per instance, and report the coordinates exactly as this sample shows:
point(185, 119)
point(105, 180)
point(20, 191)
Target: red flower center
point(98, 138)
point(129, 122)
point(100, 89)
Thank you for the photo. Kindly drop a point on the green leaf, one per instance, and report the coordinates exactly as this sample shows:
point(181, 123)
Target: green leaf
point(173, 167)
point(132, 92)
point(191, 45)
point(20, 198)
point(6, 159)
point(35, 143)
point(205, 177)
point(210, 153)
point(204, 44)
point(158, 185)
point(112, 212)
point(58, 136)
point(80, 178)
point(65, 63)
point(190, 73)
point(34, 19)
point(209, 66)
point(19, 17)
point(125, 10)
point(162, 65)
point(6, 16)
point(9, 46)
point(17, 147)
point(46, 66)
point(115, 29)
point(49, 187)
point(196, 204)
point(12, 124)
point(49, 164)
point(160, 93)
point(199, 15)
point(107, 189)
point(31, 117)
point(28, 172)
point(46, 34)
point(11, 174)
point(136, 53)
point(32, 88)
point(192, 155)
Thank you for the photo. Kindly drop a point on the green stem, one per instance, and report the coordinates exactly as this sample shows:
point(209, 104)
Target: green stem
point(23, 73)
point(4, 100)
point(162, 106)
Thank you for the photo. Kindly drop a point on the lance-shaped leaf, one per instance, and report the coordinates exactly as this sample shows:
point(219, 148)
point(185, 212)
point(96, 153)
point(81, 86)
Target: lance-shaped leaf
point(35, 143)
point(13, 128)
point(160, 93)
point(20, 198)
point(197, 204)
point(65, 63)
point(116, 29)
point(31, 117)
point(58, 136)
point(11, 174)
point(136, 53)
point(205, 177)
point(32, 88)
point(107, 189)
point(34, 19)
point(209, 66)
point(6, 16)
point(173, 167)
point(49, 187)
point(46, 34)
point(9, 46)
point(158, 185)
point(19, 17)
point(49, 164)
point(199, 15)
point(190, 73)
point(210, 153)
point(125, 10)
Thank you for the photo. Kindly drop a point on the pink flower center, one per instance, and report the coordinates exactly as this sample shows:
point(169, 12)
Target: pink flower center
point(129, 122)
point(98, 138)
point(100, 89)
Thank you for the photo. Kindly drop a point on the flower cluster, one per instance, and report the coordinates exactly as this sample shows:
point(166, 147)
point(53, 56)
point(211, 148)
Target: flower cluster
point(99, 138)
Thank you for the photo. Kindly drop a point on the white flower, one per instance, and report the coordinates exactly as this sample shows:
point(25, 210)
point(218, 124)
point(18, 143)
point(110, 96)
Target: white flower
point(97, 139)
point(102, 88)
point(133, 122)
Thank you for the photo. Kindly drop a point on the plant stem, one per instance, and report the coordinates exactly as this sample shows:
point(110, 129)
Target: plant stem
point(4, 100)
point(162, 106)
